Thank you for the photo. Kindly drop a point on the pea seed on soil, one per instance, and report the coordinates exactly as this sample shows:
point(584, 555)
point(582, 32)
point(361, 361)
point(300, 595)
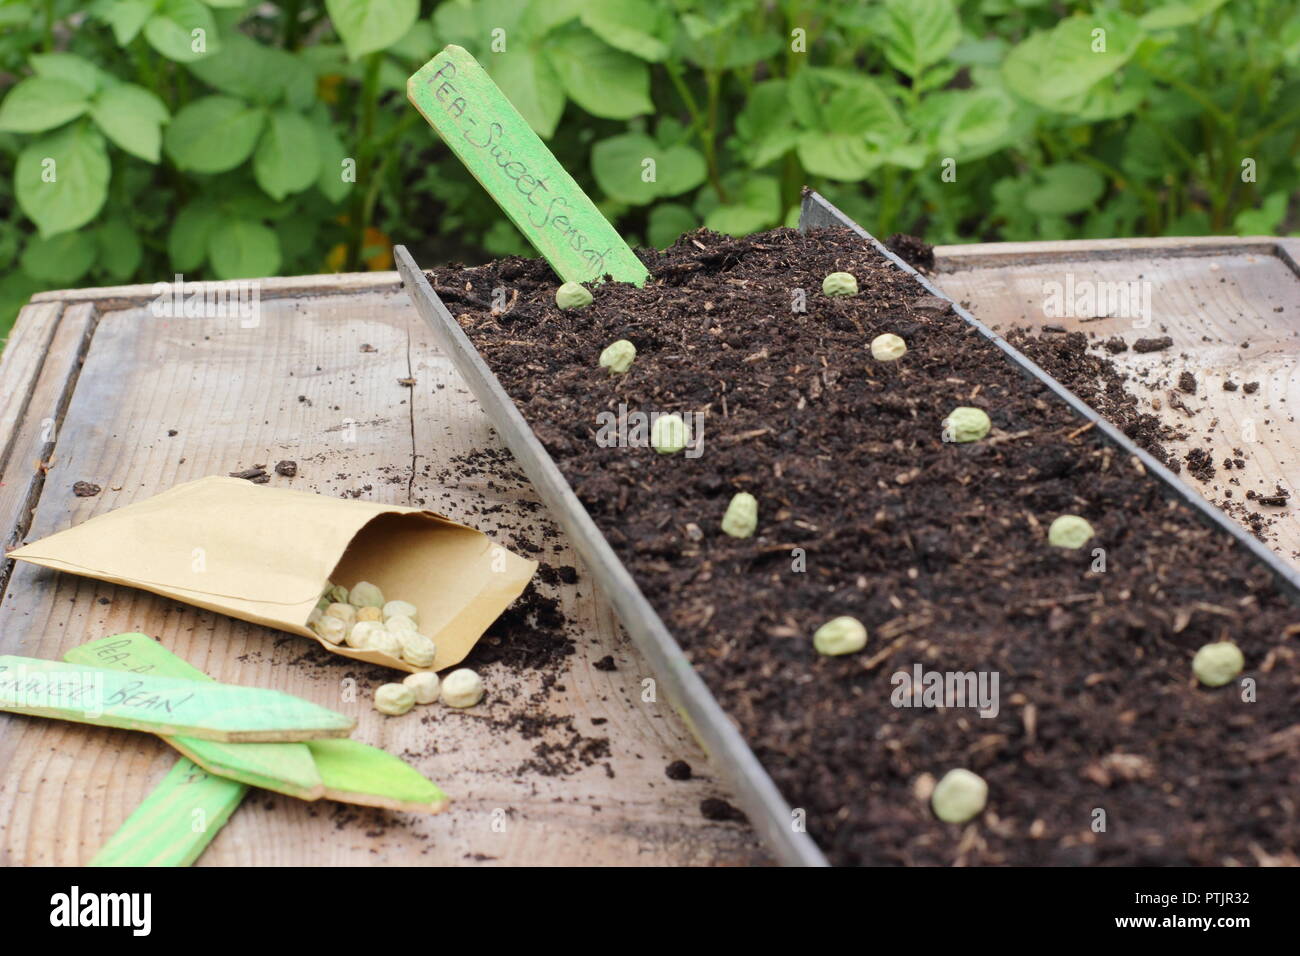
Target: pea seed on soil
point(937, 547)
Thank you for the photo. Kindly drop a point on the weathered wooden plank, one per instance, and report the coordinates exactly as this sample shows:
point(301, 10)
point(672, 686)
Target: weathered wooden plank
point(112, 297)
point(20, 366)
point(1233, 313)
point(300, 386)
point(980, 255)
point(31, 438)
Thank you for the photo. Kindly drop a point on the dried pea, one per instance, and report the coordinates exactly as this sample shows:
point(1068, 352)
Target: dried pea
point(418, 649)
point(331, 629)
point(965, 423)
point(424, 686)
point(742, 515)
point(959, 796)
point(1217, 664)
point(400, 624)
point(618, 356)
point(669, 434)
point(1069, 531)
point(462, 688)
point(840, 283)
point(372, 614)
point(394, 699)
point(344, 612)
point(400, 608)
point(385, 642)
point(572, 295)
point(361, 633)
point(888, 347)
point(843, 635)
point(366, 594)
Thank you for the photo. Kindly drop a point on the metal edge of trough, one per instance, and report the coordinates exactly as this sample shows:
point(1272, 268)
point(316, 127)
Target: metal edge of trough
point(817, 212)
point(757, 795)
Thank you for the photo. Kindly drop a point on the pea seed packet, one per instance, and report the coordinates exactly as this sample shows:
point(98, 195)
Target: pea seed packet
point(265, 554)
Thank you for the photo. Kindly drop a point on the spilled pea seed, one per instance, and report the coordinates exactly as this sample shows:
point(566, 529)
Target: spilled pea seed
point(394, 699)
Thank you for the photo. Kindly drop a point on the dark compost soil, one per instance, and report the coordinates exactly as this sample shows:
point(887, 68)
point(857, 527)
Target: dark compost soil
point(940, 549)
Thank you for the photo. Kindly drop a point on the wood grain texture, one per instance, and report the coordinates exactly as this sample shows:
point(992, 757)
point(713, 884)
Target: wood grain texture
point(1232, 309)
point(299, 386)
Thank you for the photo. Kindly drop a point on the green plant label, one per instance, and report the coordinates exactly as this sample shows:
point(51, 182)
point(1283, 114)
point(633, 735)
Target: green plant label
point(176, 822)
point(459, 100)
point(161, 705)
point(338, 769)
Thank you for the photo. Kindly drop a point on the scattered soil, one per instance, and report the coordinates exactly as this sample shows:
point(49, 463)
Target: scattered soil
point(938, 548)
point(1153, 345)
point(286, 469)
point(85, 489)
point(719, 810)
point(678, 770)
point(1187, 383)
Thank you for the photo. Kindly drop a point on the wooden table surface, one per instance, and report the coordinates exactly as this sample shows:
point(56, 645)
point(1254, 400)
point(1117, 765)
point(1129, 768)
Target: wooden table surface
point(95, 387)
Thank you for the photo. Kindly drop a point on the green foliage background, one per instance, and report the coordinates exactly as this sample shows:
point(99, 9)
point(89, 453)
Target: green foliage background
point(225, 159)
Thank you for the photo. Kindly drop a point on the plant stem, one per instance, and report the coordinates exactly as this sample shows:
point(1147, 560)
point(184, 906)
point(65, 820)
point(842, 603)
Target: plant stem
point(359, 214)
point(292, 14)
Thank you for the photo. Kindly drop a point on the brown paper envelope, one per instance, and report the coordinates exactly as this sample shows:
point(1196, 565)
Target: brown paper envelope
point(264, 555)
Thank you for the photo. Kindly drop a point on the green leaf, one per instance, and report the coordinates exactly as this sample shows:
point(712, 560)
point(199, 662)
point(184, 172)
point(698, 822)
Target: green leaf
point(132, 117)
point(244, 68)
point(369, 25)
point(919, 33)
point(1265, 220)
point(287, 158)
point(37, 104)
point(602, 80)
point(243, 249)
point(619, 165)
point(16, 14)
point(765, 125)
point(70, 67)
point(213, 134)
point(329, 180)
point(228, 4)
point(1179, 14)
point(61, 180)
point(119, 249)
point(756, 205)
point(842, 156)
point(170, 30)
point(187, 242)
point(126, 17)
point(1053, 69)
point(530, 82)
point(977, 124)
point(64, 258)
point(634, 26)
point(667, 222)
point(1064, 189)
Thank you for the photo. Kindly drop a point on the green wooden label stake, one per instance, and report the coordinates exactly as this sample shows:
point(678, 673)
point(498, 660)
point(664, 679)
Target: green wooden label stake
point(176, 822)
point(284, 768)
point(161, 705)
point(459, 100)
point(342, 769)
